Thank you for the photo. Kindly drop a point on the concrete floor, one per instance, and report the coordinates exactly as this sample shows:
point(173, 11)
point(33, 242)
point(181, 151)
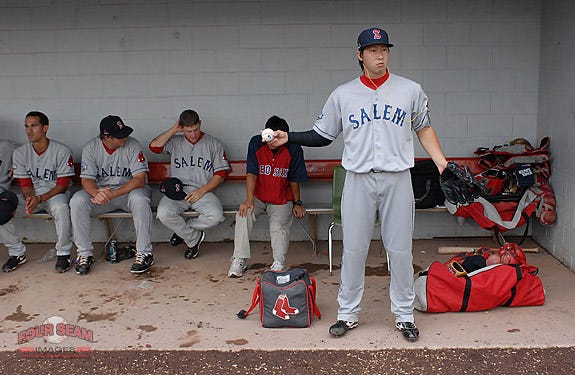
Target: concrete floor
point(191, 304)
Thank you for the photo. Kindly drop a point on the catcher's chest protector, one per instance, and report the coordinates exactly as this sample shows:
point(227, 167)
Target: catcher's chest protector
point(439, 290)
point(286, 299)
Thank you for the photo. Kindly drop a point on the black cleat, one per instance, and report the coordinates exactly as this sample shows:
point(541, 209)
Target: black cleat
point(409, 330)
point(193, 251)
point(175, 240)
point(341, 327)
point(83, 264)
point(63, 263)
point(142, 263)
point(13, 262)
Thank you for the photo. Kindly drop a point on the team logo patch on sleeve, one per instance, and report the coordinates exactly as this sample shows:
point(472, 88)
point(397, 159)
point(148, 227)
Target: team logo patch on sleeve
point(141, 157)
point(84, 166)
point(70, 162)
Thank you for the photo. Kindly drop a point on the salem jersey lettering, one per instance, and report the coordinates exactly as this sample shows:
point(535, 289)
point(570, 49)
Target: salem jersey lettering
point(46, 168)
point(195, 164)
point(275, 169)
point(116, 169)
point(377, 125)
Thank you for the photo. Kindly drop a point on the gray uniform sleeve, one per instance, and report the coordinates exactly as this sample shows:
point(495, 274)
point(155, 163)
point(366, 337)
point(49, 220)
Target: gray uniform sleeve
point(420, 115)
point(65, 162)
point(89, 166)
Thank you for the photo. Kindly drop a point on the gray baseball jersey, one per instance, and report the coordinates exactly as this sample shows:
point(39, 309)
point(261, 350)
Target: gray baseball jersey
point(43, 169)
point(377, 125)
point(6, 150)
point(116, 169)
point(196, 164)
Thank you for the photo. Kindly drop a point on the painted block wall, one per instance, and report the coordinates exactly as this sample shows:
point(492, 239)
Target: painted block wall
point(239, 62)
point(556, 118)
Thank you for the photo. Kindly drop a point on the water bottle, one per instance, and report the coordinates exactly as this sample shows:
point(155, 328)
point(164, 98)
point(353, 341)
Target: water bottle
point(112, 249)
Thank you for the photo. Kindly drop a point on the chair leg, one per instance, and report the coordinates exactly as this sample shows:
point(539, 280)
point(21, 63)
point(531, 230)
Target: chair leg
point(330, 247)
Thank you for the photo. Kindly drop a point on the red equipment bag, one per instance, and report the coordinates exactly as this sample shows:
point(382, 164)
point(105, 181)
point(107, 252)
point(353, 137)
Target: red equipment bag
point(439, 290)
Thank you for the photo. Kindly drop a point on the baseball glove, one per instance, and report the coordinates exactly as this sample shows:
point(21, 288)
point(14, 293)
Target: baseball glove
point(459, 185)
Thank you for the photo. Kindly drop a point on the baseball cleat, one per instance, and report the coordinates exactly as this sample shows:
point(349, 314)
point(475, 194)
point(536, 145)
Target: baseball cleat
point(13, 262)
point(409, 330)
point(193, 251)
point(63, 263)
point(341, 327)
point(175, 240)
point(142, 263)
point(277, 266)
point(83, 264)
point(237, 268)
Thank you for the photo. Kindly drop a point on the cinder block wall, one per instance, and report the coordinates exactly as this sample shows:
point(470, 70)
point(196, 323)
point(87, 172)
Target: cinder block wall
point(556, 118)
point(238, 62)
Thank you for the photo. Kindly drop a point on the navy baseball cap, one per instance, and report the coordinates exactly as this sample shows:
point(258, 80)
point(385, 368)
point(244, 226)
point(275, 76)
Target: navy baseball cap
point(173, 188)
point(114, 126)
point(372, 36)
point(8, 204)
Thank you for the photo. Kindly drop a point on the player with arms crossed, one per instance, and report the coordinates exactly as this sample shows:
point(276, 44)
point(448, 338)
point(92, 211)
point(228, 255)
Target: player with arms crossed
point(199, 162)
point(44, 169)
point(377, 114)
point(273, 175)
point(114, 177)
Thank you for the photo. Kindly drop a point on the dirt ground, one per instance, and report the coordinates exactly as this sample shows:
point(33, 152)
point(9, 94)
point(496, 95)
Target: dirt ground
point(552, 361)
point(180, 318)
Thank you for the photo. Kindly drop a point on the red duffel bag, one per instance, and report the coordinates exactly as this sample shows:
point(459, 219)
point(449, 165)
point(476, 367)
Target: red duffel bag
point(438, 290)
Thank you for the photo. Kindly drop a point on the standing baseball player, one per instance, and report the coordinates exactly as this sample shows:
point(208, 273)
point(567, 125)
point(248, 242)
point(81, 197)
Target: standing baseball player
point(16, 249)
point(44, 169)
point(114, 176)
point(377, 114)
point(273, 175)
point(199, 161)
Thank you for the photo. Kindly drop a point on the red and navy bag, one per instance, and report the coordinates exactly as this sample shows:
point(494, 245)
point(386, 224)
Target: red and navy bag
point(286, 299)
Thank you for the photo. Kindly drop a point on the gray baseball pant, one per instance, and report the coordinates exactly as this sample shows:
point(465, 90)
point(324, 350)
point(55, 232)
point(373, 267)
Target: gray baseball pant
point(137, 202)
point(210, 211)
point(280, 219)
point(391, 195)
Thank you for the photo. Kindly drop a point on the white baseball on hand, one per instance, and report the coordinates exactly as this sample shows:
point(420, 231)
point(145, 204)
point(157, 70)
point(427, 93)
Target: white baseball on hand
point(267, 134)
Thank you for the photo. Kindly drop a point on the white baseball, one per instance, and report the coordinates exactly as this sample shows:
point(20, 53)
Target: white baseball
point(267, 134)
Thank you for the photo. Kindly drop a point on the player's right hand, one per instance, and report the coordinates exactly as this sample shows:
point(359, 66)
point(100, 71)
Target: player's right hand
point(246, 207)
point(176, 128)
point(280, 138)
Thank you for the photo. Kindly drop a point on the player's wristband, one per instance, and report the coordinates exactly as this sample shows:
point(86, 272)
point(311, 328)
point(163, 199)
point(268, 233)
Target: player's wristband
point(298, 203)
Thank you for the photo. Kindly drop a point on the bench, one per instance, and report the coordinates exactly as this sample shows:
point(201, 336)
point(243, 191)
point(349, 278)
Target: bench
point(320, 170)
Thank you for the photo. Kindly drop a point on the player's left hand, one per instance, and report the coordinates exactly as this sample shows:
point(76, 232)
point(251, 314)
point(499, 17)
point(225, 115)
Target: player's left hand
point(31, 203)
point(195, 196)
point(103, 196)
point(298, 211)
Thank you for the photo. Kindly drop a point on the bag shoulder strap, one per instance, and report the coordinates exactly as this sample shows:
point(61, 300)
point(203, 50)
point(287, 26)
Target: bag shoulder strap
point(312, 288)
point(255, 301)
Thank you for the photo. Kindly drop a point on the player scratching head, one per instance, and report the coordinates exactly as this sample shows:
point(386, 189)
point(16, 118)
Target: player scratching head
point(373, 52)
point(36, 126)
point(190, 123)
point(276, 123)
point(113, 132)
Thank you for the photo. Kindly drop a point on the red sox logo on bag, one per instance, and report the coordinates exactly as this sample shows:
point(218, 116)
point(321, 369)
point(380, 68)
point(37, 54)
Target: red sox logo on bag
point(282, 308)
